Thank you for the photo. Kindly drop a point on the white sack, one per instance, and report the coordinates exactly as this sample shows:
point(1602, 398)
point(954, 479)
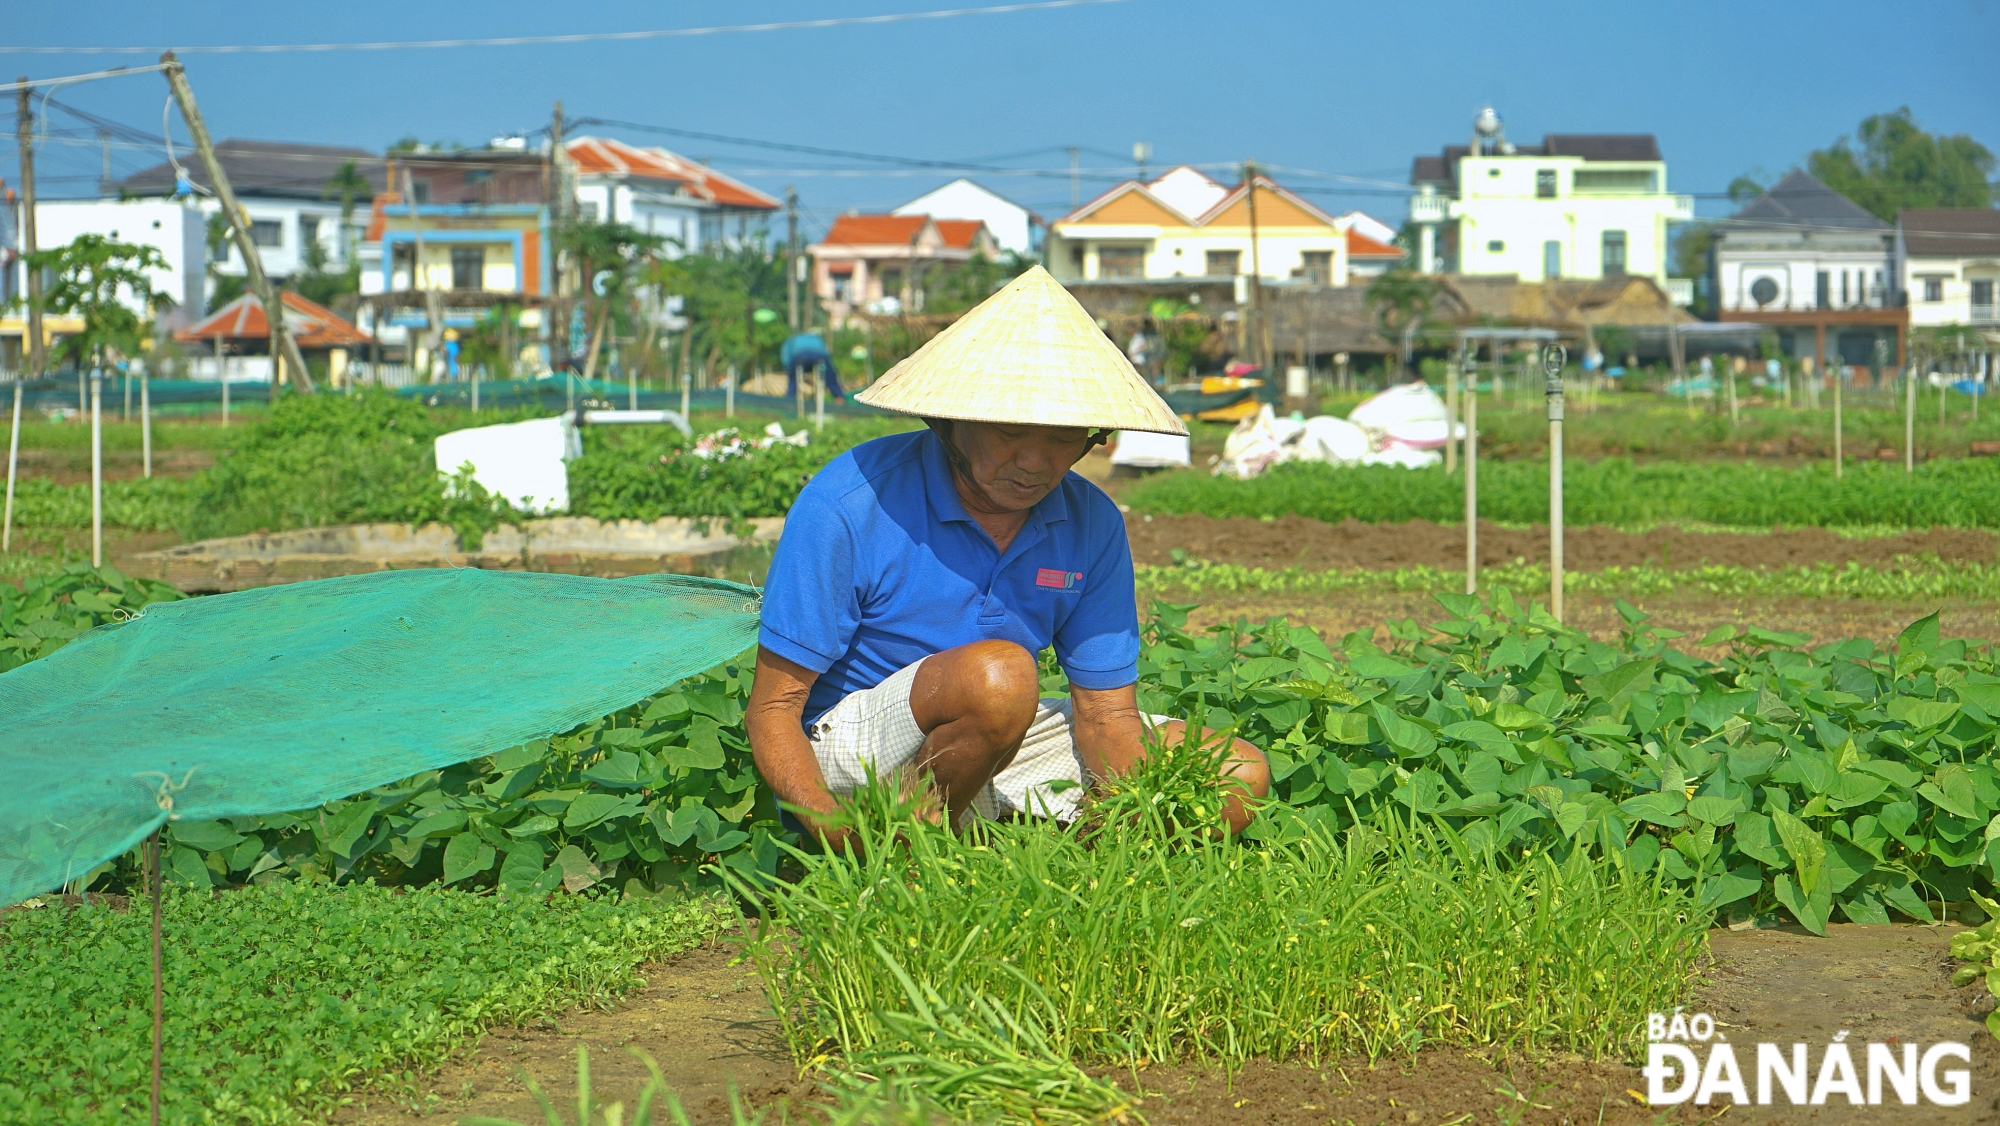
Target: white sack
point(1333, 440)
point(1253, 445)
point(519, 461)
point(1405, 457)
point(1143, 450)
point(1403, 403)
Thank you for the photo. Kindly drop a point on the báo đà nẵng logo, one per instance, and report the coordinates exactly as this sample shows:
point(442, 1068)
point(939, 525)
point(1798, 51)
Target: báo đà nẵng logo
point(1688, 1060)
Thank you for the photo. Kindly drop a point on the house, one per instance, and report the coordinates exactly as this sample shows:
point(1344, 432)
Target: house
point(235, 340)
point(1948, 263)
point(881, 262)
point(290, 191)
point(482, 219)
point(1816, 267)
point(175, 228)
point(1367, 255)
point(1185, 225)
point(662, 193)
point(1014, 228)
point(1578, 205)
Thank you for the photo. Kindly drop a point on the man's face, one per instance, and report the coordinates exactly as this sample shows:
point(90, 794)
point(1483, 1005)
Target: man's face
point(1013, 467)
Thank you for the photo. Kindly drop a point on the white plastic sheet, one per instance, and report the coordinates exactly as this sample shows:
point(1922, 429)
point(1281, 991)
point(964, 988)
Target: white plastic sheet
point(520, 461)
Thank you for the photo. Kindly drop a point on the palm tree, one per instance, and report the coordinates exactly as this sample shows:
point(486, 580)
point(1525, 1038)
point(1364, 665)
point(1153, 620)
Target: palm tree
point(1400, 300)
point(348, 185)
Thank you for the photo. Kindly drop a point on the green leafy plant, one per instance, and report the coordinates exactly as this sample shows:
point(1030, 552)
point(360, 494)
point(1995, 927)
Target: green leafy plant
point(48, 612)
point(326, 988)
point(1981, 949)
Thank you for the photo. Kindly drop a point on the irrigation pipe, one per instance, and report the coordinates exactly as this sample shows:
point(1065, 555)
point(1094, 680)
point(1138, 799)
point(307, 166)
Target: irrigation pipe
point(13, 454)
point(1552, 367)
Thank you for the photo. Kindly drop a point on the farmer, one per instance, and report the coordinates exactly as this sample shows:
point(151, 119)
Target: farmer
point(808, 349)
point(920, 574)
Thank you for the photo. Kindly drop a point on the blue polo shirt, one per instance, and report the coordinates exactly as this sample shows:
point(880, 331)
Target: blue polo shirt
point(880, 566)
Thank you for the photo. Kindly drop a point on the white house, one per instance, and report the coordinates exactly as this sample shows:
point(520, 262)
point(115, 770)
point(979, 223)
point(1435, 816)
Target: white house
point(666, 194)
point(1185, 225)
point(1014, 228)
point(1577, 205)
point(1815, 266)
point(175, 229)
point(1949, 264)
point(289, 193)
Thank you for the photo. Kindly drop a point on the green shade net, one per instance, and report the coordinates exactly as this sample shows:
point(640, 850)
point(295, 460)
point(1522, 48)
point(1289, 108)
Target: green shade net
point(287, 697)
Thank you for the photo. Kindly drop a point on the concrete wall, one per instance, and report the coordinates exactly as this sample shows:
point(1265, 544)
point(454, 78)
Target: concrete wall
point(175, 230)
point(1498, 205)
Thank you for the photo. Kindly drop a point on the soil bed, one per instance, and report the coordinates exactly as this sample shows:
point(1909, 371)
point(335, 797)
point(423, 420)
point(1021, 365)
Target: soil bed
point(1294, 541)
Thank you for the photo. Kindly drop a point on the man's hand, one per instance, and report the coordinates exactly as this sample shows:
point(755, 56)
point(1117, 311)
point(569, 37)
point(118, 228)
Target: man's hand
point(774, 718)
point(1109, 735)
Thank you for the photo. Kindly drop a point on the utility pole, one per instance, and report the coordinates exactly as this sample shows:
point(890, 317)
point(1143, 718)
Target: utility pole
point(792, 257)
point(433, 319)
point(37, 357)
point(559, 326)
point(1257, 272)
point(283, 347)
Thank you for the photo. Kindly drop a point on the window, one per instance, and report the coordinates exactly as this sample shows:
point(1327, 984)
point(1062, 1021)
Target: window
point(1933, 289)
point(1319, 266)
point(267, 232)
point(468, 263)
point(1626, 180)
point(892, 282)
point(1614, 252)
point(1495, 246)
point(1121, 261)
point(841, 286)
point(1843, 287)
point(1823, 290)
point(1222, 263)
point(1545, 183)
point(1552, 259)
point(308, 230)
point(1982, 294)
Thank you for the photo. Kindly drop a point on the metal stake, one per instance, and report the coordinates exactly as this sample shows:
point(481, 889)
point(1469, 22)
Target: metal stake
point(819, 399)
point(1552, 368)
point(1910, 417)
point(1839, 372)
point(146, 419)
point(13, 455)
point(1451, 414)
point(729, 392)
point(1471, 475)
point(96, 468)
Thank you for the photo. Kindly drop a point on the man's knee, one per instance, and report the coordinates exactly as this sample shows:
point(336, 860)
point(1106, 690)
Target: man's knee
point(1002, 681)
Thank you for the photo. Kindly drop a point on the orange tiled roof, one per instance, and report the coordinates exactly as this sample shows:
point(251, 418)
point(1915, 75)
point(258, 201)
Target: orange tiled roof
point(875, 230)
point(604, 156)
point(313, 325)
point(1361, 246)
point(960, 234)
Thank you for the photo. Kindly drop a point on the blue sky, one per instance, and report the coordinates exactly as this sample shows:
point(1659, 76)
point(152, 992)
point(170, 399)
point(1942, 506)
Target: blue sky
point(1317, 90)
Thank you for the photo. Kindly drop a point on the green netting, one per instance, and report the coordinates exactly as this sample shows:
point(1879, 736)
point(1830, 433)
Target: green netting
point(287, 697)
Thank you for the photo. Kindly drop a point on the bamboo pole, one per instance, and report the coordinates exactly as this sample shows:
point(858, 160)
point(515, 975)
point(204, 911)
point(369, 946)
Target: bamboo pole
point(146, 420)
point(1471, 478)
point(1910, 417)
point(1839, 371)
point(96, 467)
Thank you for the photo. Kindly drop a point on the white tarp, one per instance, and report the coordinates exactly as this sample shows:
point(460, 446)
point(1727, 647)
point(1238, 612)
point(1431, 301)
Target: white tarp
point(1404, 426)
point(1410, 414)
point(1143, 450)
point(520, 461)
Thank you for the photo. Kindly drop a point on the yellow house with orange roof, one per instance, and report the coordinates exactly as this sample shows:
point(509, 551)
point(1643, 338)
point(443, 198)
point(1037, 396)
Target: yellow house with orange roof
point(1185, 225)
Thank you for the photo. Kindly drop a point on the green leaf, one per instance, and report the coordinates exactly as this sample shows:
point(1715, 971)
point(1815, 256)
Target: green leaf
point(1727, 887)
point(522, 867)
point(1920, 636)
point(1865, 906)
point(589, 809)
point(1661, 808)
point(1921, 714)
point(703, 750)
point(577, 869)
point(466, 855)
point(1714, 811)
point(1756, 839)
point(1810, 909)
point(1514, 717)
point(1348, 728)
point(1952, 791)
point(1480, 734)
point(1375, 666)
point(620, 769)
point(1904, 898)
point(346, 827)
point(1570, 817)
point(208, 836)
point(1807, 850)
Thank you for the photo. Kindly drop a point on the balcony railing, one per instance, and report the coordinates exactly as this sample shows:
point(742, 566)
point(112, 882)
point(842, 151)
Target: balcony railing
point(1986, 314)
point(1428, 208)
point(1680, 291)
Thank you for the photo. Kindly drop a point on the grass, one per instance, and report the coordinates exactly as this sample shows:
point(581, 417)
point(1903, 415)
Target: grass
point(973, 969)
point(1915, 580)
point(282, 998)
point(1612, 491)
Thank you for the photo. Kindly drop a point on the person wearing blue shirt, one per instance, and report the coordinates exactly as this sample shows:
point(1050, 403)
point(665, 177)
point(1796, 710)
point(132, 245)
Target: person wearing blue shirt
point(802, 350)
point(919, 575)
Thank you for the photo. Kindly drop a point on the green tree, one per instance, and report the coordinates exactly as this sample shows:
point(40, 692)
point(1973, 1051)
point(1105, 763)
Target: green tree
point(954, 289)
point(610, 258)
point(720, 294)
point(1898, 165)
point(348, 185)
point(1400, 300)
point(100, 280)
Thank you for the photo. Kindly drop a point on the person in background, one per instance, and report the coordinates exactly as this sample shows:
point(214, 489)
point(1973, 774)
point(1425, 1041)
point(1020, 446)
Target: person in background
point(807, 349)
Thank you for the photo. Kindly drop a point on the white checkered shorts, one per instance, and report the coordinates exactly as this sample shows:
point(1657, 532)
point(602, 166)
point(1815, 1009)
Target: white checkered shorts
point(874, 727)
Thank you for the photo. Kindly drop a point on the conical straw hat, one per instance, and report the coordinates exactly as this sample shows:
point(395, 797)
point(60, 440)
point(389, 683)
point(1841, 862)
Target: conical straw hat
point(1028, 355)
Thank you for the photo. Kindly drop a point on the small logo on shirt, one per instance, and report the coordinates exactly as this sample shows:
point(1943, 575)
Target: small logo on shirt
point(1058, 580)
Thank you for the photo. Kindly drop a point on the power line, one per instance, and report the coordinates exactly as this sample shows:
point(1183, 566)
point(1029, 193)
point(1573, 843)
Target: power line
point(583, 37)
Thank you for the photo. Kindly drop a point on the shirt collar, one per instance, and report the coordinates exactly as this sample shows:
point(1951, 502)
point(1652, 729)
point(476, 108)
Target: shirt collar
point(942, 491)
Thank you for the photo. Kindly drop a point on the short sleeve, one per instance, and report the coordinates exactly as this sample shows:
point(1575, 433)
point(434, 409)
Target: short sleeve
point(811, 605)
point(1098, 644)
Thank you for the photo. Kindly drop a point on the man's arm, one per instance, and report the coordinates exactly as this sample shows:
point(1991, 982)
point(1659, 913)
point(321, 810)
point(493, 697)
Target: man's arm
point(775, 721)
point(1108, 733)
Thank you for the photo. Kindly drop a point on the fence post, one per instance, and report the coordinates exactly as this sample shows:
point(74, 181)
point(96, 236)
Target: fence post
point(1552, 368)
point(1471, 471)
